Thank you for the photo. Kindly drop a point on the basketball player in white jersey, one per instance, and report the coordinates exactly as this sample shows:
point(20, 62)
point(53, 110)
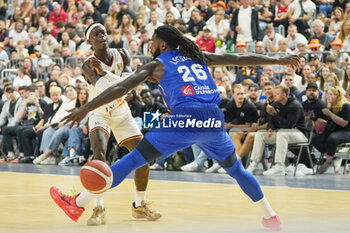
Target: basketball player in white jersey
point(115, 117)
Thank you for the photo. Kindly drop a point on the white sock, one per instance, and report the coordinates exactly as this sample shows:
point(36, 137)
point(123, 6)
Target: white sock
point(266, 208)
point(139, 197)
point(99, 201)
point(71, 152)
point(84, 198)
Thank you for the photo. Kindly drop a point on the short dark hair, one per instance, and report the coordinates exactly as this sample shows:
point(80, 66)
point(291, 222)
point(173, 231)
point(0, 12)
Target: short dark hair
point(331, 58)
point(146, 91)
point(269, 83)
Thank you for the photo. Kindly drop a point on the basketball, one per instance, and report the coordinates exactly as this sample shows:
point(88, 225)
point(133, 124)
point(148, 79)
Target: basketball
point(96, 176)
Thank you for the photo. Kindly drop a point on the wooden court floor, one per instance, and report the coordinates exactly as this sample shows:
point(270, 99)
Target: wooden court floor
point(25, 206)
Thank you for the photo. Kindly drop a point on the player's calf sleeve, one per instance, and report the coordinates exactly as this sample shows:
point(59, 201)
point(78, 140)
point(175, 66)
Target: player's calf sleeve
point(246, 181)
point(128, 163)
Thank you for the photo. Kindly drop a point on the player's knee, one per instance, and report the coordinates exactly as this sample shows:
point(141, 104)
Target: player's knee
point(147, 150)
point(229, 161)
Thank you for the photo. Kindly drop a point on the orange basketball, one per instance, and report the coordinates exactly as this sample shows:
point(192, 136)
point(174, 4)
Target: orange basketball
point(96, 176)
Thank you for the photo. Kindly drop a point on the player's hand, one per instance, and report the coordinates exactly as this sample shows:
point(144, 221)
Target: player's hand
point(77, 114)
point(95, 65)
point(293, 60)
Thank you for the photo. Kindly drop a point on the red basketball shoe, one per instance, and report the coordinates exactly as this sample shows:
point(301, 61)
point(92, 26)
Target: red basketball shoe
point(273, 223)
point(67, 203)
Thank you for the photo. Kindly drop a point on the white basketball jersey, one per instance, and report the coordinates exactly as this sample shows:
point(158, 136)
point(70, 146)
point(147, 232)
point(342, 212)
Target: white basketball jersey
point(116, 68)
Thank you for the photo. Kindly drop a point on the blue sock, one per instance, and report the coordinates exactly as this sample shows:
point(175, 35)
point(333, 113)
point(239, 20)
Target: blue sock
point(246, 181)
point(127, 164)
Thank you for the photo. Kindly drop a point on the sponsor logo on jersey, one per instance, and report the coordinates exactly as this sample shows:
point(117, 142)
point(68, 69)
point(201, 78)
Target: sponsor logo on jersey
point(187, 90)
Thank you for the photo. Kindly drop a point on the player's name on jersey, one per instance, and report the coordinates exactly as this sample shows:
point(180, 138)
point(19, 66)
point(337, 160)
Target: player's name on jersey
point(178, 59)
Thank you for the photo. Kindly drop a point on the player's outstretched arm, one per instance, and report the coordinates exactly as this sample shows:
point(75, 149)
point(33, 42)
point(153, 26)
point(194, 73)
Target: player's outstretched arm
point(148, 71)
point(249, 60)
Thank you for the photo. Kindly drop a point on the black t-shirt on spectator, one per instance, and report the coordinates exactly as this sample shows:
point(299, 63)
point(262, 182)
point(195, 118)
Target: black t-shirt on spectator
point(239, 116)
point(195, 28)
point(264, 117)
point(205, 13)
point(314, 109)
point(259, 106)
point(32, 113)
point(345, 114)
point(113, 45)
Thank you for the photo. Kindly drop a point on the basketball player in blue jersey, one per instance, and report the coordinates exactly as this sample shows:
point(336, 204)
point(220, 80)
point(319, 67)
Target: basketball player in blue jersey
point(180, 69)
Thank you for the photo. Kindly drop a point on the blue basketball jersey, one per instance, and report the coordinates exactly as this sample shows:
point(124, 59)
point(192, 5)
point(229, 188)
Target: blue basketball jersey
point(186, 82)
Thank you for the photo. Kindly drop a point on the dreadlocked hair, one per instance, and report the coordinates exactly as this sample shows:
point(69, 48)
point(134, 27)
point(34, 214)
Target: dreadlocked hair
point(173, 37)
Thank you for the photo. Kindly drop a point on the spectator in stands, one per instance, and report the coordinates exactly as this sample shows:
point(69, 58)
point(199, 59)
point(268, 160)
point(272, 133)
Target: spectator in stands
point(266, 15)
point(299, 13)
point(4, 57)
point(315, 64)
point(294, 38)
point(259, 48)
point(58, 14)
point(72, 11)
point(4, 33)
point(319, 34)
point(196, 24)
point(57, 127)
point(9, 121)
point(42, 91)
point(348, 95)
point(144, 42)
point(337, 20)
point(271, 39)
point(169, 18)
point(30, 115)
point(113, 12)
point(96, 15)
point(337, 130)
point(289, 82)
point(18, 33)
point(219, 25)
point(269, 71)
point(241, 115)
point(27, 9)
point(41, 61)
point(168, 7)
point(313, 105)
point(253, 96)
point(286, 125)
point(134, 48)
point(346, 81)
point(101, 6)
point(336, 47)
point(245, 23)
point(139, 24)
point(48, 43)
point(150, 104)
point(22, 79)
point(281, 13)
point(344, 34)
point(205, 11)
point(34, 41)
point(187, 10)
point(154, 24)
point(117, 42)
point(331, 63)
point(153, 6)
point(124, 9)
point(66, 41)
point(248, 72)
point(206, 42)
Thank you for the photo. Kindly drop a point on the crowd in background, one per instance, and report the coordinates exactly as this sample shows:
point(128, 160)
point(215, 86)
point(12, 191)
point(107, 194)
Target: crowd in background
point(42, 46)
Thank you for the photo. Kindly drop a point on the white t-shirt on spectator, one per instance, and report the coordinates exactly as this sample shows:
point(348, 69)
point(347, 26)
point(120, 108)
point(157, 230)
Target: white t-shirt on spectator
point(186, 14)
point(19, 82)
point(308, 6)
point(346, 44)
point(173, 10)
point(23, 35)
point(217, 30)
point(298, 84)
point(299, 38)
point(150, 28)
point(244, 21)
point(275, 41)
